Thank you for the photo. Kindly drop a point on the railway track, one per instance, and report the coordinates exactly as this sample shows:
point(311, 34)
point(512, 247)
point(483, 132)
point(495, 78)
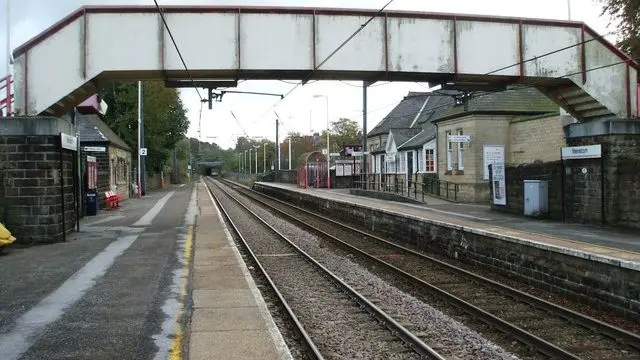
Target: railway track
point(333, 317)
point(548, 329)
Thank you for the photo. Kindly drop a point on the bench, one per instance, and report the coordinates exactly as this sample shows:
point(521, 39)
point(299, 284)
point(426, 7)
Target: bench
point(113, 200)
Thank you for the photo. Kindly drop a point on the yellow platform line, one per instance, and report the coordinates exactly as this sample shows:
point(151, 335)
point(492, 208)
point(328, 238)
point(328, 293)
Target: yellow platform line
point(175, 352)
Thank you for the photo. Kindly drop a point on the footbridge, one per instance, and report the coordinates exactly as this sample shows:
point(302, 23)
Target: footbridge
point(62, 66)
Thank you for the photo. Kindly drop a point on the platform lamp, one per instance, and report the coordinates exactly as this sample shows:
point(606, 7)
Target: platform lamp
point(328, 152)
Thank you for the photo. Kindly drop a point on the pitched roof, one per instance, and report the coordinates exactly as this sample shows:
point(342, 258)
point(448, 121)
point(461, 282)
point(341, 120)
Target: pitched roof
point(93, 129)
point(512, 101)
point(402, 115)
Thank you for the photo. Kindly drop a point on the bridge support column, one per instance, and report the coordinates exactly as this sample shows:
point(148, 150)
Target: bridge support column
point(364, 177)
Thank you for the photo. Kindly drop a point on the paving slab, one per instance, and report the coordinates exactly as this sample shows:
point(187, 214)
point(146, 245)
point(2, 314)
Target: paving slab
point(245, 345)
point(228, 318)
point(223, 298)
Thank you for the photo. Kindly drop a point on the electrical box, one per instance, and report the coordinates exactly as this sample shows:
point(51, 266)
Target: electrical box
point(536, 198)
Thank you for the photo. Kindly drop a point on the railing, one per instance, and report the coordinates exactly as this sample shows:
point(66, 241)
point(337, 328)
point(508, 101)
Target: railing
point(417, 190)
point(6, 101)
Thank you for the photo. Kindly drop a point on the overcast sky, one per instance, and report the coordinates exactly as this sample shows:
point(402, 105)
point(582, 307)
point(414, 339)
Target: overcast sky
point(300, 110)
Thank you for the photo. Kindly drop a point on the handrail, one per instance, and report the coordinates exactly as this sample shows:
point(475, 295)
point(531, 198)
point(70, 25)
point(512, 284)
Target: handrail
point(7, 100)
point(412, 189)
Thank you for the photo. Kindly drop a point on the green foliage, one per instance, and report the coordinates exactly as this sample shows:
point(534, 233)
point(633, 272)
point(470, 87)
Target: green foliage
point(165, 118)
point(343, 132)
point(626, 13)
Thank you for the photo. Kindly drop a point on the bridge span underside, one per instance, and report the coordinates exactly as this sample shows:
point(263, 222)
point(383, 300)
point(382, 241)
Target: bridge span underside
point(62, 66)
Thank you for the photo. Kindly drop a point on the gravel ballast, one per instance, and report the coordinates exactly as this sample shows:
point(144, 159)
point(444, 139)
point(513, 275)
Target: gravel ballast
point(335, 322)
point(446, 335)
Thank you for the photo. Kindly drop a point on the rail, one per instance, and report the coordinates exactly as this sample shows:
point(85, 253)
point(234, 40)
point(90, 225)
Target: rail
point(417, 190)
point(396, 328)
point(544, 346)
point(307, 339)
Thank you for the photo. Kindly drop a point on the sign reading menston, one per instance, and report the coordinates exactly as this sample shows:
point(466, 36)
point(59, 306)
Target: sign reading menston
point(582, 152)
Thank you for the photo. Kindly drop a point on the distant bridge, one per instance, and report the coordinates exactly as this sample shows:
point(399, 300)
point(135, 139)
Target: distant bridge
point(59, 68)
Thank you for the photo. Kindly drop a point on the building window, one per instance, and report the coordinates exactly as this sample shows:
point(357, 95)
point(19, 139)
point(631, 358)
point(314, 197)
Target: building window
point(430, 160)
point(402, 162)
point(420, 160)
point(449, 151)
point(460, 152)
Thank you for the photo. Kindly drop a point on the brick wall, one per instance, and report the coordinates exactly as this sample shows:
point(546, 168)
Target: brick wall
point(535, 139)
point(32, 187)
point(515, 176)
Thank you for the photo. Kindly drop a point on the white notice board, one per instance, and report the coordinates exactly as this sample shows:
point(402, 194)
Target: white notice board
point(492, 154)
point(498, 183)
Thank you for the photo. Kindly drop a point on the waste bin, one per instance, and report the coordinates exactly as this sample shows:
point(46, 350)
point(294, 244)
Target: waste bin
point(92, 203)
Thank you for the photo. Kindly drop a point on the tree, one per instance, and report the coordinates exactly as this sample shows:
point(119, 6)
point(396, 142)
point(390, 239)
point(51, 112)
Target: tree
point(165, 118)
point(626, 13)
point(343, 132)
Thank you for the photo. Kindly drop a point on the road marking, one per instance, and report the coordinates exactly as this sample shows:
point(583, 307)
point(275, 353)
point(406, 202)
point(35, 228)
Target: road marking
point(27, 328)
point(170, 338)
point(147, 218)
point(107, 219)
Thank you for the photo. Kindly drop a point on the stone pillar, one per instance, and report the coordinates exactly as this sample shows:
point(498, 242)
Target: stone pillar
point(620, 140)
point(36, 185)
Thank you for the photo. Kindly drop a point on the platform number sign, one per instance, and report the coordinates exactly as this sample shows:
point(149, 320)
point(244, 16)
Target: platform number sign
point(143, 151)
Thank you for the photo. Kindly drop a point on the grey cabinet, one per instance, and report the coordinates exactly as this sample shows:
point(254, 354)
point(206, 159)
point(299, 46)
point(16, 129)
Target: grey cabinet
point(536, 198)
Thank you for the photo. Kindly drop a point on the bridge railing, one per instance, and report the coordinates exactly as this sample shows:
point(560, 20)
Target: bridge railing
point(6, 95)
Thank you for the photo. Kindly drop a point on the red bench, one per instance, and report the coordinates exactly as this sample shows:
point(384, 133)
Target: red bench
point(113, 200)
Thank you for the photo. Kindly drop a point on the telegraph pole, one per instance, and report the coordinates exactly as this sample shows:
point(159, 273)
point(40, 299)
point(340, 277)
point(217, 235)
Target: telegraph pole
point(278, 144)
point(139, 137)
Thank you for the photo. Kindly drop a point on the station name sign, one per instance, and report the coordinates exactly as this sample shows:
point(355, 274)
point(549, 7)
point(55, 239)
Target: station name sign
point(459, 138)
point(582, 152)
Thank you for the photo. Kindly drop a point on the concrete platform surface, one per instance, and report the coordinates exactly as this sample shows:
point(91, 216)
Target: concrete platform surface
point(230, 319)
point(108, 292)
point(607, 245)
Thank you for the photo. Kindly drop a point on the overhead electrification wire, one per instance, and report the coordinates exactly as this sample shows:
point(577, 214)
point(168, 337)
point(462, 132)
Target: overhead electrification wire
point(238, 122)
point(331, 55)
point(550, 53)
point(177, 49)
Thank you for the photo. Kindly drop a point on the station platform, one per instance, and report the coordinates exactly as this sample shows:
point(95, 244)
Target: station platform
point(230, 319)
point(610, 246)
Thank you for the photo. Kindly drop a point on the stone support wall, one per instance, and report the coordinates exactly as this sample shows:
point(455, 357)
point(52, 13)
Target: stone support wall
point(37, 183)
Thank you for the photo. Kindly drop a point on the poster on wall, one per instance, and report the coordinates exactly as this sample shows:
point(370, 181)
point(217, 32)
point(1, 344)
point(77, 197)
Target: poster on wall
point(492, 154)
point(498, 184)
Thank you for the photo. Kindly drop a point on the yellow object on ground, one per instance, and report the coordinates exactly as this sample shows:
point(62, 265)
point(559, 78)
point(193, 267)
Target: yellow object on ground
point(5, 236)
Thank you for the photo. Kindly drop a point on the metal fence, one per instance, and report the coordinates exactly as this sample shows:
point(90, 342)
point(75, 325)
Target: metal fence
point(417, 190)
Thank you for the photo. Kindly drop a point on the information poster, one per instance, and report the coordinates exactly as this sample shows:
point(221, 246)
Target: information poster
point(498, 184)
point(492, 154)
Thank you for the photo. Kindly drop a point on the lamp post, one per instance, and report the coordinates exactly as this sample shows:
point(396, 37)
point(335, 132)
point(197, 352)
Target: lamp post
point(256, 147)
point(289, 152)
point(264, 158)
point(328, 151)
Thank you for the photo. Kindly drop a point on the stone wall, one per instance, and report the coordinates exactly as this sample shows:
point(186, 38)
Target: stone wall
point(602, 283)
point(620, 142)
point(34, 186)
point(515, 176)
point(536, 139)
